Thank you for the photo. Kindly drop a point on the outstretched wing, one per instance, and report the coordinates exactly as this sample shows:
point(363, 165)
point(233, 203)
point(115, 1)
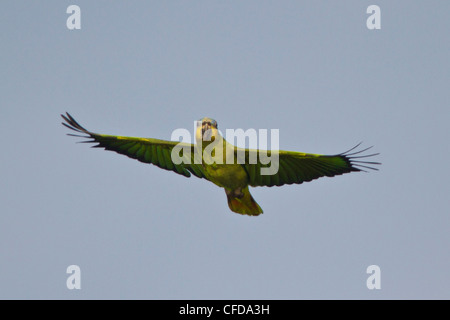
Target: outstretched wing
point(297, 167)
point(154, 151)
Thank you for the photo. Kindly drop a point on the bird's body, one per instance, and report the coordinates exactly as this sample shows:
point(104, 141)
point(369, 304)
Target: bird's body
point(230, 176)
point(219, 162)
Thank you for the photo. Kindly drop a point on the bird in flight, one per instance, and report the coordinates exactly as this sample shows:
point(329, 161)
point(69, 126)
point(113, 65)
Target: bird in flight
point(234, 176)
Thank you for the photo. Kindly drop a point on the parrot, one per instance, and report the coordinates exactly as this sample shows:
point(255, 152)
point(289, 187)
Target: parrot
point(234, 176)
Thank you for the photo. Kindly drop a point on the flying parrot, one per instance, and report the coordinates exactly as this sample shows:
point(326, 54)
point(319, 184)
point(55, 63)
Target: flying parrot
point(234, 176)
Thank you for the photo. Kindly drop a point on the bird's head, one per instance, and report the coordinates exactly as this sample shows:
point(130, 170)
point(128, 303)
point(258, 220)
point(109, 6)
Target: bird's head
point(206, 129)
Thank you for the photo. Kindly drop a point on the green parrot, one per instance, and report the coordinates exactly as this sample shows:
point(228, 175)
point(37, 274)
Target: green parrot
point(234, 176)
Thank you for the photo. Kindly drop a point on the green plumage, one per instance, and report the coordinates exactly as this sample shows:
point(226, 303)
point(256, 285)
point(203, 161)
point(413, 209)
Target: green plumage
point(294, 167)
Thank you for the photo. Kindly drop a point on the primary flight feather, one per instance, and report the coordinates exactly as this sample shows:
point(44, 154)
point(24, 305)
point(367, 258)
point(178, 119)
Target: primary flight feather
point(235, 177)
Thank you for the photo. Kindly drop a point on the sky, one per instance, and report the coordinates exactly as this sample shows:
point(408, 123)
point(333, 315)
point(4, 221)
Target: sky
point(311, 69)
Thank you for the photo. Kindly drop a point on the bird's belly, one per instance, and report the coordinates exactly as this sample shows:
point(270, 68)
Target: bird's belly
point(227, 175)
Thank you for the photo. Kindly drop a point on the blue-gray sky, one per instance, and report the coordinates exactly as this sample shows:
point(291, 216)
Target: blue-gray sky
point(309, 68)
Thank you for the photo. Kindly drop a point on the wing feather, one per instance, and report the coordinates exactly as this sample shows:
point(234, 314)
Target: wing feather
point(147, 150)
point(297, 167)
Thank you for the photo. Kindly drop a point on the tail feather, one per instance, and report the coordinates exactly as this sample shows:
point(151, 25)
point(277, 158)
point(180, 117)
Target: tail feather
point(243, 203)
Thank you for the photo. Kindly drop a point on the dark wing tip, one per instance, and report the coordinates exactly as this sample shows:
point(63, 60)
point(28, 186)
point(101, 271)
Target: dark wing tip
point(72, 124)
point(353, 158)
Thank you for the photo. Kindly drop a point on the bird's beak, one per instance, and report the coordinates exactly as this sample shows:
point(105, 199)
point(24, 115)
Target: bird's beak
point(206, 132)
